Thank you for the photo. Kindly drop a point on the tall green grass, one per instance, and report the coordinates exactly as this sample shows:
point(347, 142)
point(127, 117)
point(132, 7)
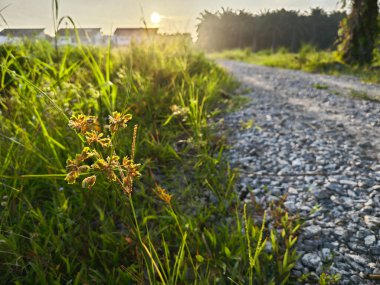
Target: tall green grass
point(55, 233)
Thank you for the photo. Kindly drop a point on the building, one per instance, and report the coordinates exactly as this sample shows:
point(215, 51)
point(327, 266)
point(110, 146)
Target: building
point(124, 36)
point(17, 35)
point(87, 36)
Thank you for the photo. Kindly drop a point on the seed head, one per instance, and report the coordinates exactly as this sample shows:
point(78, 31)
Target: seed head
point(118, 120)
point(131, 167)
point(95, 137)
point(82, 123)
point(89, 182)
point(163, 195)
point(71, 177)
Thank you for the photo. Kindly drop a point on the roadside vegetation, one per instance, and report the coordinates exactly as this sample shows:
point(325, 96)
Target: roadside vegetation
point(314, 41)
point(308, 59)
point(112, 171)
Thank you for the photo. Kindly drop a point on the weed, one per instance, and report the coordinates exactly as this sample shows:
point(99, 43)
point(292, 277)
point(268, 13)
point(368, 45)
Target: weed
point(320, 86)
point(329, 279)
point(247, 125)
point(362, 96)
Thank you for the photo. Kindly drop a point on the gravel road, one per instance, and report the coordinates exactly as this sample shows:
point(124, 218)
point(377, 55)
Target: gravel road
point(312, 141)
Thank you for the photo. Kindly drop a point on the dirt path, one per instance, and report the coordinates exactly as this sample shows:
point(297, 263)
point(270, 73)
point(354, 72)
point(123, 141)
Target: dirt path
point(312, 141)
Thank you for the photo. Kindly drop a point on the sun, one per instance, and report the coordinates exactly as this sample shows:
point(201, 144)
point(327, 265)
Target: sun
point(155, 18)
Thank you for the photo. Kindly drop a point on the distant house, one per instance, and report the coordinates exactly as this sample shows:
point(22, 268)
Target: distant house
point(87, 36)
point(124, 36)
point(17, 35)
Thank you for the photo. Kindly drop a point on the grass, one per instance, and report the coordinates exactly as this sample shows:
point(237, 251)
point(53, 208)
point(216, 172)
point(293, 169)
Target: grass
point(363, 96)
point(307, 59)
point(181, 224)
point(320, 86)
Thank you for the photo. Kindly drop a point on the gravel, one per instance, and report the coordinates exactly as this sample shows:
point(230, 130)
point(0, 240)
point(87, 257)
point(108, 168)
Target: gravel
point(320, 148)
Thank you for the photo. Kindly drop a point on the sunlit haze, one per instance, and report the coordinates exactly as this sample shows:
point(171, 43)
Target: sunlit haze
point(155, 18)
point(170, 16)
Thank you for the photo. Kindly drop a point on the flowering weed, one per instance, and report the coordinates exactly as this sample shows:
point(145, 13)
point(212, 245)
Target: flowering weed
point(103, 160)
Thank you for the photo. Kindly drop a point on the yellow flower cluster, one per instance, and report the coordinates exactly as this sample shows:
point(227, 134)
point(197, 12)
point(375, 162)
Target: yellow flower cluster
point(163, 195)
point(94, 137)
point(74, 167)
point(117, 121)
point(94, 160)
point(82, 123)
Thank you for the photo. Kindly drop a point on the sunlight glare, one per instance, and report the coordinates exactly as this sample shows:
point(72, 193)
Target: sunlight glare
point(155, 18)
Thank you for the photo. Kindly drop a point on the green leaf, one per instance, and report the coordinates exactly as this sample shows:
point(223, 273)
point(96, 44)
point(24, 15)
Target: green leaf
point(100, 211)
point(227, 251)
point(199, 258)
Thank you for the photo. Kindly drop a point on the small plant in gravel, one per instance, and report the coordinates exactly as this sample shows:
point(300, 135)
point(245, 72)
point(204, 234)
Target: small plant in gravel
point(329, 279)
point(363, 96)
point(320, 86)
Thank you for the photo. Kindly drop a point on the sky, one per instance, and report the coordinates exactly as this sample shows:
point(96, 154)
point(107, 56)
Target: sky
point(177, 15)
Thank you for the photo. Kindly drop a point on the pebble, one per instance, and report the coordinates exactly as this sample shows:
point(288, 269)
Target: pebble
point(375, 250)
point(369, 240)
point(348, 182)
point(312, 231)
point(339, 231)
point(326, 254)
point(311, 260)
point(370, 220)
point(322, 194)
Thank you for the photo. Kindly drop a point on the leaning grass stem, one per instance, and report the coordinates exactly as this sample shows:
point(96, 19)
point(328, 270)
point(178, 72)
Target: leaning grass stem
point(138, 232)
point(248, 240)
point(183, 235)
point(153, 262)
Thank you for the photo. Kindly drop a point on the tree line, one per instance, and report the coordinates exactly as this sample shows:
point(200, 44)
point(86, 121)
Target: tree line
point(229, 29)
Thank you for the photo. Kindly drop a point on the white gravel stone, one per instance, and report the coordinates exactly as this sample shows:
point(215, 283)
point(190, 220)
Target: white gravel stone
point(312, 231)
point(311, 260)
point(348, 182)
point(370, 240)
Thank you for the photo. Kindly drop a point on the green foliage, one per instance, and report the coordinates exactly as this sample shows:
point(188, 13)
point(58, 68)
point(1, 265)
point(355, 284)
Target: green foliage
point(363, 96)
point(320, 86)
point(358, 32)
point(308, 59)
point(327, 279)
point(228, 29)
point(182, 224)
